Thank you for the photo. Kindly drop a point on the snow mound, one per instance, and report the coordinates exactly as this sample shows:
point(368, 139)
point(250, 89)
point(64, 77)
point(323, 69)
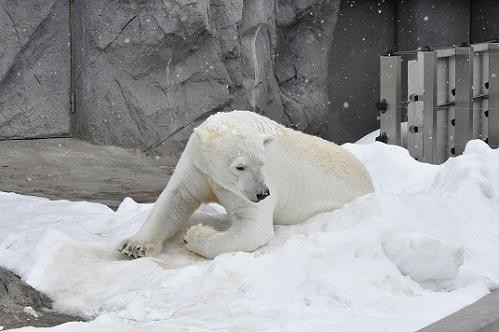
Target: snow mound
point(423, 245)
point(423, 258)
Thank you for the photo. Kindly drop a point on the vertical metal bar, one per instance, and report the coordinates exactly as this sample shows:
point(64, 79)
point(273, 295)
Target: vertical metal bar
point(390, 74)
point(414, 110)
point(464, 98)
point(477, 93)
point(429, 62)
point(451, 111)
point(493, 112)
point(484, 90)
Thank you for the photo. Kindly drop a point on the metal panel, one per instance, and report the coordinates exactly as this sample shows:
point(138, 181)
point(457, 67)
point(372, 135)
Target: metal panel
point(445, 53)
point(480, 92)
point(464, 98)
point(390, 92)
point(493, 118)
point(482, 47)
point(429, 68)
point(440, 135)
point(414, 111)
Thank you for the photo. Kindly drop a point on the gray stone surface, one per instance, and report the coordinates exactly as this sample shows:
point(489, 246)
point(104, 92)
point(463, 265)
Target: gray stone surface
point(71, 169)
point(34, 68)
point(22, 305)
point(147, 72)
point(305, 37)
point(481, 316)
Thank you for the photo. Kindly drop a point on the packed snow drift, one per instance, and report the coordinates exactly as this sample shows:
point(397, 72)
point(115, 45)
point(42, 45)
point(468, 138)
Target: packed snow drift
point(420, 247)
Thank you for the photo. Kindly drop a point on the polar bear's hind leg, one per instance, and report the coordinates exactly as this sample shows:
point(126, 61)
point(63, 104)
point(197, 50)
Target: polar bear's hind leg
point(245, 234)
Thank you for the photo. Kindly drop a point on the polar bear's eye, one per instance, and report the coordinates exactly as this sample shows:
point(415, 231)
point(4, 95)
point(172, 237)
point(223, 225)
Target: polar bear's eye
point(240, 167)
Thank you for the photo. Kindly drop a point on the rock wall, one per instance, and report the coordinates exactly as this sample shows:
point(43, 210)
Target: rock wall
point(34, 68)
point(22, 305)
point(147, 72)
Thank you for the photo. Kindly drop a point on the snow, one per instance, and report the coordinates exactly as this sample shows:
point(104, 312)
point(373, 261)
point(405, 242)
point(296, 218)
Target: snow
point(421, 247)
point(30, 311)
point(371, 137)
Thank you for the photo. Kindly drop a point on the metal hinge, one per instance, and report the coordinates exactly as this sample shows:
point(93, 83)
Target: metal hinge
point(72, 101)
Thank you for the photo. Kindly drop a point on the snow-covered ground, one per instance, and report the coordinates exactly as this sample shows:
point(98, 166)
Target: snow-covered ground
point(422, 246)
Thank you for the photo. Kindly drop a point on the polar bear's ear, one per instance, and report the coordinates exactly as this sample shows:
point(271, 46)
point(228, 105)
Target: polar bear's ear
point(267, 139)
point(202, 134)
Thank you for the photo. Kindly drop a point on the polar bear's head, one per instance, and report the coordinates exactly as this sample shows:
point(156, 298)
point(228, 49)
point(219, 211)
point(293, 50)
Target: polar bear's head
point(234, 161)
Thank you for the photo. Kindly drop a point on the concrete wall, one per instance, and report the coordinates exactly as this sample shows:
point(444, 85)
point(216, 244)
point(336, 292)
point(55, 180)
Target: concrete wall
point(365, 29)
point(439, 24)
point(484, 18)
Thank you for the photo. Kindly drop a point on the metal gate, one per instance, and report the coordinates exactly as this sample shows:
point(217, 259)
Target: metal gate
point(453, 97)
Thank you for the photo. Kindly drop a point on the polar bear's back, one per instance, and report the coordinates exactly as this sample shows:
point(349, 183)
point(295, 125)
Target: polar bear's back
point(313, 151)
point(330, 159)
point(313, 176)
point(241, 123)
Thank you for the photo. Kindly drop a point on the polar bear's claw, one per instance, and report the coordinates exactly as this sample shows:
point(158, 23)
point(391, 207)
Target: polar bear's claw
point(134, 249)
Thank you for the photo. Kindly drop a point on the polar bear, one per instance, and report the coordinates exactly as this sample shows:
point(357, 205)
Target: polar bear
point(261, 172)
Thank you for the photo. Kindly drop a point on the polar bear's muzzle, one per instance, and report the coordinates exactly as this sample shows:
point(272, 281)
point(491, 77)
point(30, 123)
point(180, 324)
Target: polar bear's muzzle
point(255, 190)
point(261, 196)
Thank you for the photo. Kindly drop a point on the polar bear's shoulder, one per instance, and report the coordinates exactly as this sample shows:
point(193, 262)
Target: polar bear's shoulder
point(241, 123)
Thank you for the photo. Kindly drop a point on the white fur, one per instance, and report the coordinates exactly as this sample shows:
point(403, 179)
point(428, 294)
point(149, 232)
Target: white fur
point(305, 175)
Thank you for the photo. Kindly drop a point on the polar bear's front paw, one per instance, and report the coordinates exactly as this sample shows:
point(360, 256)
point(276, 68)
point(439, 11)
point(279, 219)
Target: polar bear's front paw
point(136, 249)
point(197, 237)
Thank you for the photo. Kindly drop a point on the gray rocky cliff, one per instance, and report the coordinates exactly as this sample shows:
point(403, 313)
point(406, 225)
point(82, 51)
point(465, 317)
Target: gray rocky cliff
point(147, 72)
point(144, 73)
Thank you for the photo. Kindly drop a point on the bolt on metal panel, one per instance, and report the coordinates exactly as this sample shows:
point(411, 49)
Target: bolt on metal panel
point(464, 98)
point(493, 111)
point(414, 110)
point(428, 60)
point(390, 92)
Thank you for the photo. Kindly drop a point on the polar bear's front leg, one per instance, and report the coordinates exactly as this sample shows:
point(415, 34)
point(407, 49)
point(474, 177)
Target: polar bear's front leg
point(172, 209)
point(249, 230)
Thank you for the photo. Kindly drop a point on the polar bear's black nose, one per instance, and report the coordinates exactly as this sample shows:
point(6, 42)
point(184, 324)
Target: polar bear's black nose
point(261, 196)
